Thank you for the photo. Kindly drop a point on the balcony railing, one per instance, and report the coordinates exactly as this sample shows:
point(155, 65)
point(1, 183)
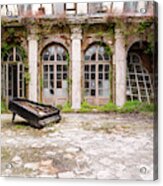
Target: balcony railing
point(139, 8)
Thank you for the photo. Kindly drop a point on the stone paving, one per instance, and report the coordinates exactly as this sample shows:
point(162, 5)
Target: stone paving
point(94, 146)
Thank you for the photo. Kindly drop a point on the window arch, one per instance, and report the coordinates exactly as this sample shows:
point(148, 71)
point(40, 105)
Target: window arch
point(97, 52)
point(55, 74)
point(96, 72)
point(13, 55)
point(55, 52)
point(139, 84)
point(13, 83)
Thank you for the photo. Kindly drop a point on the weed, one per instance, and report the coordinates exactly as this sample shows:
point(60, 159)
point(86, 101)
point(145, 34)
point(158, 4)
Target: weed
point(3, 107)
point(67, 107)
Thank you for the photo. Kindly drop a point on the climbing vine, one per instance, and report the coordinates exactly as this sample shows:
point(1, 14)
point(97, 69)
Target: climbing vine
point(7, 48)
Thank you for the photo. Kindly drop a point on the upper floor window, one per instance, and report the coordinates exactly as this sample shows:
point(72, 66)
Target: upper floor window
point(130, 6)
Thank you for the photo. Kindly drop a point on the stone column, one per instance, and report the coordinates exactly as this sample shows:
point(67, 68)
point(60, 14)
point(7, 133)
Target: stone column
point(32, 58)
point(76, 67)
point(120, 59)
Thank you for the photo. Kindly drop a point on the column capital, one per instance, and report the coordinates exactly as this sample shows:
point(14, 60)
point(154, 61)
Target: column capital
point(118, 33)
point(76, 33)
point(32, 37)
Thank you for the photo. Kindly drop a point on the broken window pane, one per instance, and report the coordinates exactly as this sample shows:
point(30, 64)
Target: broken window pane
point(138, 80)
point(93, 92)
point(59, 84)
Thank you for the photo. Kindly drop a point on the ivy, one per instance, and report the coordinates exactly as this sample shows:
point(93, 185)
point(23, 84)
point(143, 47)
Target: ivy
point(143, 26)
point(7, 48)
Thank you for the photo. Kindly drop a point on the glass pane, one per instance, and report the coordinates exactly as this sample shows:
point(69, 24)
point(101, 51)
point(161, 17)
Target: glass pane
point(51, 84)
point(105, 93)
point(45, 84)
point(64, 57)
point(100, 68)
point(20, 92)
point(100, 84)
point(65, 68)
point(58, 76)
point(100, 76)
point(45, 76)
point(93, 84)
point(52, 58)
point(100, 92)
point(93, 57)
point(147, 78)
point(59, 58)
point(20, 76)
point(45, 57)
point(65, 76)
point(106, 68)
point(11, 58)
point(87, 58)
point(51, 91)
point(9, 92)
point(106, 56)
point(59, 84)
point(93, 76)
point(100, 58)
point(138, 68)
point(135, 59)
point(106, 84)
point(93, 68)
point(64, 84)
point(87, 92)
point(59, 67)
point(93, 92)
point(64, 92)
point(45, 68)
point(86, 68)
point(51, 76)
point(5, 58)
point(140, 78)
point(70, 5)
point(20, 84)
point(87, 84)
point(21, 67)
point(51, 68)
point(17, 57)
point(106, 76)
point(86, 76)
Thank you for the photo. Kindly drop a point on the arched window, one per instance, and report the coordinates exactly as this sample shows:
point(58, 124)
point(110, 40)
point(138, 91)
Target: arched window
point(55, 74)
point(139, 85)
point(96, 72)
point(13, 84)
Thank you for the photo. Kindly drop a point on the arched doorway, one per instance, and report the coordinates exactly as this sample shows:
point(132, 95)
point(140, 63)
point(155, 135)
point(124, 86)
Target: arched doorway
point(139, 73)
point(55, 74)
point(13, 83)
point(97, 74)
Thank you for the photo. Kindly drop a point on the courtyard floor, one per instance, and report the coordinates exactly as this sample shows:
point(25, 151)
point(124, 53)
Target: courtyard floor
point(95, 146)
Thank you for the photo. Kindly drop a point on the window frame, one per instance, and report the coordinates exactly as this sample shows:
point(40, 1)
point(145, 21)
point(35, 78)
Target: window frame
point(96, 63)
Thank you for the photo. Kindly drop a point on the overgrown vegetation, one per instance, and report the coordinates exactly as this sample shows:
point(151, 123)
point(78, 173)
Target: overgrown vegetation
point(145, 30)
point(66, 107)
point(129, 107)
point(3, 107)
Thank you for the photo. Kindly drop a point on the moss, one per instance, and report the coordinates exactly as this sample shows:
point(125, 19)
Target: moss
point(3, 107)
